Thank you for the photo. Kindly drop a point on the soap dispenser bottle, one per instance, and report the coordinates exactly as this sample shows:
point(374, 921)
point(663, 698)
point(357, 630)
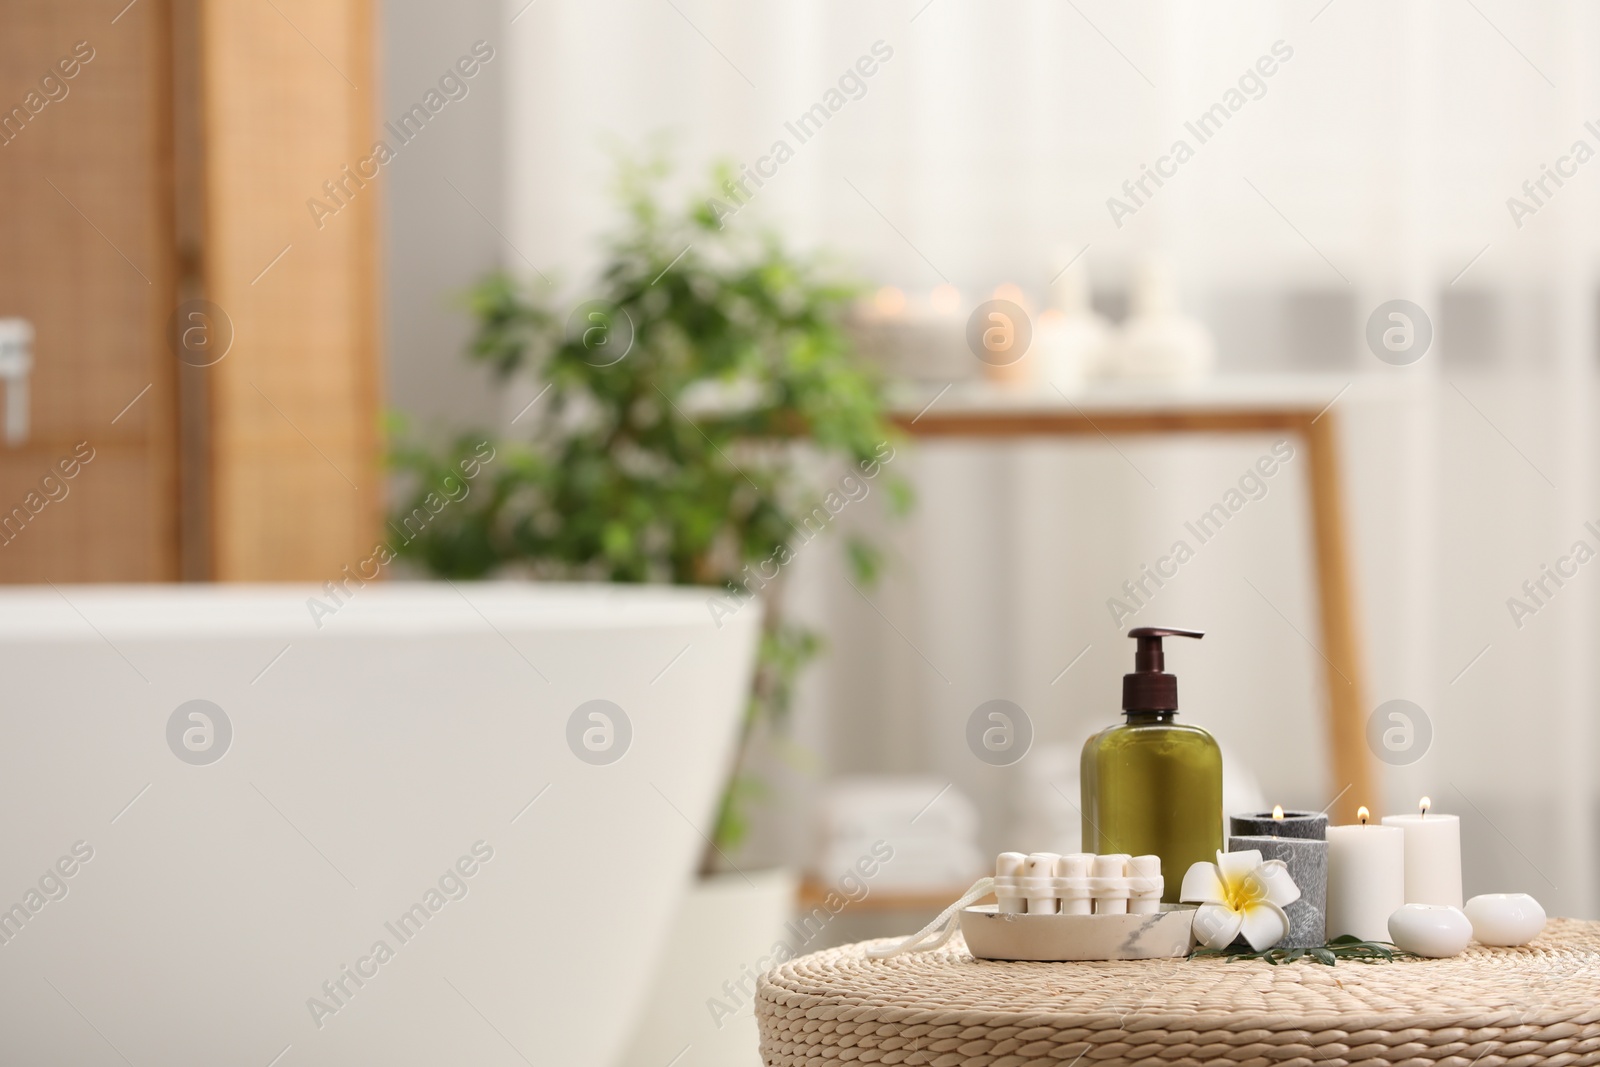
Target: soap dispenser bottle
point(1152, 785)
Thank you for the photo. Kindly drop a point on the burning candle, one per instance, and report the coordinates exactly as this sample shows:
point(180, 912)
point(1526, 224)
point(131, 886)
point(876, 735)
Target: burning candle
point(1296, 838)
point(1366, 878)
point(1312, 825)
point(1433, 855)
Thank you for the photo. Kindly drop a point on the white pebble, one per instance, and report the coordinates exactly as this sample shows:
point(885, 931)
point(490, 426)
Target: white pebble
point(1507, 919)
point(1432, 930)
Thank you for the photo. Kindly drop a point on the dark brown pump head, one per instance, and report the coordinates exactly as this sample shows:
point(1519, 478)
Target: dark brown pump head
point(1150, 687)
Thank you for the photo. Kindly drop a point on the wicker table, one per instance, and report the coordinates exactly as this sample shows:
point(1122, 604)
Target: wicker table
point(1490, 1007)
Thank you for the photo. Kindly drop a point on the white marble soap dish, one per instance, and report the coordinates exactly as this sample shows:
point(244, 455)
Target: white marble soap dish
point(993, 935)
point(1050, 907)
point(1077, 907)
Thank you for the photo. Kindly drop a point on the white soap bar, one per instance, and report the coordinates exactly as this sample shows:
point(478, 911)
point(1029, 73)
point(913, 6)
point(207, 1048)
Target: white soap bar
point(1145, 885)
point(1506, 919)
point(1072, 879)
point(1432, 930)
point(1109, 884)
point(1040, 883)
point(1008, 870)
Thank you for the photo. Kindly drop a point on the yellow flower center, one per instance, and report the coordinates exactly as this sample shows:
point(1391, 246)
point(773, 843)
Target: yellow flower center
point(1243, 892)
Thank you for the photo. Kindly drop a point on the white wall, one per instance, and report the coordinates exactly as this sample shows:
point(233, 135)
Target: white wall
point(436, 242)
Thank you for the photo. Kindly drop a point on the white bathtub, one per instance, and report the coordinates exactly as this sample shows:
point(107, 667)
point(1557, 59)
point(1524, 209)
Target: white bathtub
point(369, 757)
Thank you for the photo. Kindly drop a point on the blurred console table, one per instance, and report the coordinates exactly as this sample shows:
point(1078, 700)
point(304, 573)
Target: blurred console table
point(814, 894)
point(1300, 405)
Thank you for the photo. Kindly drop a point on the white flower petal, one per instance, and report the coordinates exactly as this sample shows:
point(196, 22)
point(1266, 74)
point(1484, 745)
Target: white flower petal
point(1276, 884)
point(1233, 866)
point(1202, 885)
point(1264, 925)
point(1216, 925)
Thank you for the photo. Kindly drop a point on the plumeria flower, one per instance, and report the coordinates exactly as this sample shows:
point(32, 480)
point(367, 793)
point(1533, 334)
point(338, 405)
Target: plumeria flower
point(1240, 894)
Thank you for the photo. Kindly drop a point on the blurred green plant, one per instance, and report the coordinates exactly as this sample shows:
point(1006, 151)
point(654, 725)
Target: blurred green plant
point(692, 410)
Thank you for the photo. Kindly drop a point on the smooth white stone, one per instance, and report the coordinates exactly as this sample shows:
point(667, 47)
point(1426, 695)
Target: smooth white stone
point(1432, 930)
point(1506, 919)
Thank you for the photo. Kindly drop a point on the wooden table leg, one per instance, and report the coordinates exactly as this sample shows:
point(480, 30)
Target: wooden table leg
point(1347, 694)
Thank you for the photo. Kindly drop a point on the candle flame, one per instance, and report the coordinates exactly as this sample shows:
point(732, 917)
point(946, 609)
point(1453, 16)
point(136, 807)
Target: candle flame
point(1363, 814)
point(1277, 812)
point(1425, 803)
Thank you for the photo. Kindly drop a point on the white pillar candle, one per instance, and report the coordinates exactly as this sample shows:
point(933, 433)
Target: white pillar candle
point(1366, 879)
point(1433, 856)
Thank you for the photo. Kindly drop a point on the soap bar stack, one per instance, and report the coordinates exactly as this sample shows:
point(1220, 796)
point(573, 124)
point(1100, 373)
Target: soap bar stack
point(1043, 883)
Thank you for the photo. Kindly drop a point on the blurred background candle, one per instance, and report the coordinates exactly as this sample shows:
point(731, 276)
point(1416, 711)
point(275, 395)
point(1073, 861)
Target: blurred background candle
point(1433, 855)
point(1015, 362)
point(1366, 878)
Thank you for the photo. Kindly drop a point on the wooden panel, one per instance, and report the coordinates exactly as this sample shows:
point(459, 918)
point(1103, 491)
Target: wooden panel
point(1347, 690)
point(86, 229)
point(290, 101)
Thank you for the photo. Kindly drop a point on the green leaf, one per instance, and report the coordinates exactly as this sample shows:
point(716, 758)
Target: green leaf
point(1344, 947)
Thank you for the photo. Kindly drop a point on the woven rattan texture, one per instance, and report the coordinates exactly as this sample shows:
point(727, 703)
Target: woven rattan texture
point(1488, 1007)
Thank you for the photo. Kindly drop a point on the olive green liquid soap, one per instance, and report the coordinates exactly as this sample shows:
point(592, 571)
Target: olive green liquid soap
point(1152, 785)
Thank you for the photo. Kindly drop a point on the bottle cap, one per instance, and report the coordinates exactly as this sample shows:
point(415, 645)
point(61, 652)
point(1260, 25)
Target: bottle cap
point(1150, 687)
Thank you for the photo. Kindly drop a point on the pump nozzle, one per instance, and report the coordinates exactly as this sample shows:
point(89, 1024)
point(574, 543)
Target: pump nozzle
point(1150, 688)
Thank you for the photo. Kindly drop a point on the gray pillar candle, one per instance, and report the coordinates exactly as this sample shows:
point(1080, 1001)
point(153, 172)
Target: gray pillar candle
point(1312, 825)
point(1307, 861)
